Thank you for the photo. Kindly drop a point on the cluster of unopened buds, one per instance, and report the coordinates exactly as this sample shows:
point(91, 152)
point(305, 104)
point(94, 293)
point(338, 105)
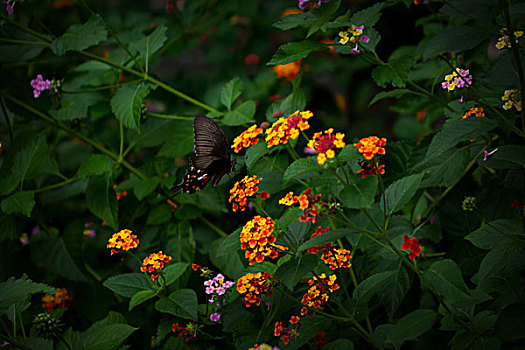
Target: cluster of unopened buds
point(285, 333)
point(353, 35)
point(504, 41)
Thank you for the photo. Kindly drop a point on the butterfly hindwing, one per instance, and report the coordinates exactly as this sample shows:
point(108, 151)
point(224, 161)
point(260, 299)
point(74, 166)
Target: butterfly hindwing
point(212, 156)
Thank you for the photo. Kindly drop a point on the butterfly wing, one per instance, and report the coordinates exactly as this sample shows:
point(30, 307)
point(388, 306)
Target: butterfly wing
point(209, 138)
point(194, 179)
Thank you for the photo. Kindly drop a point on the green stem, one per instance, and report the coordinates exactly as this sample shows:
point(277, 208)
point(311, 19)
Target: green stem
point(27, 30)
point(260, 208)
point(383, 196)
point(515, 51)
point(402, 256)
point(428, 94)
point(25, 42)
point(371, 219)
point(292, 152)
point(163, 116)
point(57, 185)
point(349, 222)
point(100, 88)
point(213, 227)
point(121, 147)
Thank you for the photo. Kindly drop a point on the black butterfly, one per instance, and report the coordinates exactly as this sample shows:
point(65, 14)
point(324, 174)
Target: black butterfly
point(212, 157)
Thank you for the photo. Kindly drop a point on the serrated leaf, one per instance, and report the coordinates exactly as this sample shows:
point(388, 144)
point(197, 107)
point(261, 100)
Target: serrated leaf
point(367, 17)
point(496, 233)
point(20, 202)
point(394, 72)
point(290, 216)
point(230, 244)
point(101, 199)
point(173, 271)
point(241, 115)
point(444, 278)
point(411, 326)
point(95, 164)
point(14, 290)
point(295, 51)
point(510, 325)
point(388, 94)
point(181, 303)
point(230, 92)
point(255, 152)
point(106, 337)
point(128, 284)
point(291, 272)
point(80, 36)
point(145, 187)
point(141, 297)
point(399, 193)
point(75, 106)
point(462, 130)
point(456, 38)
point(126, 104)
point(359, 193)
point(296, 20)
point(301, 168)
point(147, 46)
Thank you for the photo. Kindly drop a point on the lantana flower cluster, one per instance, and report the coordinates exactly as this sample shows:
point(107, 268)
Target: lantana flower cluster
point(286, 128)
point(247, 138)
point(258, 241)
point(512, 98)
point(353, 35)
point(458, 79)
point(474, 112)
point(288, 71)
point(504, 41)
point(243, 189)
point(217, 286)
point(312, 206)
point(324, 143)
point(334, 257)
point(59, 300)
point(40, 85)
point(122, 241)
point(370, 147)
point(413, 245)
point(319, 291)
point(154, 264)
point(285, 333)
point(254, 285)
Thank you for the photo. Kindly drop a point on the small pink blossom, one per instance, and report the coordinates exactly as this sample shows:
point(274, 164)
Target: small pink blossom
point(365, 39)
point(215, 317)
point(355, 51)
point(9, 6)
point(39, 85)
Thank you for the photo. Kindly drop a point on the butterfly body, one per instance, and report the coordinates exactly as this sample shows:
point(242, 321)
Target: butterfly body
point(212, 157)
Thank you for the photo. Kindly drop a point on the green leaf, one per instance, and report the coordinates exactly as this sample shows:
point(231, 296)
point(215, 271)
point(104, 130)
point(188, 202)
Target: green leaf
point(507, 157)
point(15, 290)
point(181, 303)
point(388, 94)
point(400, 192)
point(147, 46)
point(444, 278)
point(80, 36)
point(143, 188)
point(20, 202)
point(301, 168)
point(498, 265)
point(95, 164)
point(141, 297)
point(75, 106)
point(461, 130)
point(230, 92)
point(106, 337)
point(255, 152)
point(496, 233)
point(289, 217)
point(339, 344)
point(295, 51)
point(395, 289)
point(296, 20)
point(174, 271)
point(394, 72)
point(411, 326)
point(330, 236)
point(101, 199)
point(449, 169)
point(292, 271)
point(456, 38)
point(360, 193)
point(367, 17)
point(32, 343)
point(126, 104)
point(128, 284)
point(241, 115)
point(370, 286)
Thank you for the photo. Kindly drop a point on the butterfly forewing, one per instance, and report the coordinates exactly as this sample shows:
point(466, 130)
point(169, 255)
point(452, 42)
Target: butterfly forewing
point(209, 138)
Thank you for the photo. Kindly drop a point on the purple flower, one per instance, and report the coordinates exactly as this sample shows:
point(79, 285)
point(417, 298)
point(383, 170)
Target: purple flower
point(210, 290)
point(215, 317)
point(9, 6)
point(461, 100)
point(39, 85)
point(445, 84)
point(221, 291)
point(355, 51)
point(488, 154)
point(309, 150)
point(365, 39)
point(306, 4)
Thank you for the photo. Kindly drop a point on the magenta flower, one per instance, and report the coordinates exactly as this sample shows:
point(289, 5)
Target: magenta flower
point(210, 290)
point(365, 39)
point(39, 85)
point(355, 51)
point(307, 4)
point(9, 6)
point(215, 317)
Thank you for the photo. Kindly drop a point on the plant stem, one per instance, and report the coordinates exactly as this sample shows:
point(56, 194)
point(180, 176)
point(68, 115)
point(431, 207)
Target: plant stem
point(213, 227)
point(57, 185)
point(163, 116)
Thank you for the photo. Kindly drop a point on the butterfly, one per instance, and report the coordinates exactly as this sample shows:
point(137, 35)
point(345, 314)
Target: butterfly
point(212, 157)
